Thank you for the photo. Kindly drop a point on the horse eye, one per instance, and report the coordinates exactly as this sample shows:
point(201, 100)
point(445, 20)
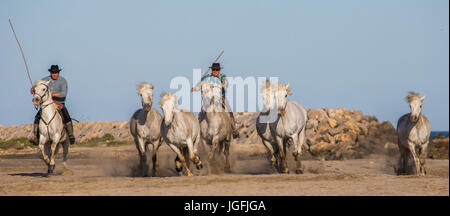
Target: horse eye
point(285, 96)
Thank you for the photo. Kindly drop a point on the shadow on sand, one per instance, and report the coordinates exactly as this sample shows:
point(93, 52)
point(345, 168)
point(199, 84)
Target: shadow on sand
point(30, 174)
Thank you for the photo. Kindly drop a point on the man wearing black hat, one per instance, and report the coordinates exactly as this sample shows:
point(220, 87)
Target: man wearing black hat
point(58, 87)
point(218, 78)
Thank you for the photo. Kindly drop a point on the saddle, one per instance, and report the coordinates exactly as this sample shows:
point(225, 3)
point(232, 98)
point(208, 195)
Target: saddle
point(59, 106)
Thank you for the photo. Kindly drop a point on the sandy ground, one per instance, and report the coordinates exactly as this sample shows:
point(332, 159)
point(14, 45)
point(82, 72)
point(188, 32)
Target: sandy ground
point(111, 171)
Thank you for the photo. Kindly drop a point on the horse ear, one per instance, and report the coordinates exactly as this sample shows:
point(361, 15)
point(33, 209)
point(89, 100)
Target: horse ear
point(266, 86)
point(48, 82)
point(422, 98)
point(267, 83)
point(288, 90)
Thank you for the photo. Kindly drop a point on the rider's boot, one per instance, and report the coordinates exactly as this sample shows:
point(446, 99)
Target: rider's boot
point(233, 126)
point(201, 115)
point(69, 129)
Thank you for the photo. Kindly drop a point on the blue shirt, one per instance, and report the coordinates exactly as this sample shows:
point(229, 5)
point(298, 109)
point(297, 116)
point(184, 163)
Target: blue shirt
point(209, 78)
point(58, 86)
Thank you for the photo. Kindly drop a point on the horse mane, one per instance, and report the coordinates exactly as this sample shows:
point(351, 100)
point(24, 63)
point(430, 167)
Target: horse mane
point(165, 97)
point(283, 86)
point(265, 87)
point(144, 85)
point(38, 82)
point(412, 96)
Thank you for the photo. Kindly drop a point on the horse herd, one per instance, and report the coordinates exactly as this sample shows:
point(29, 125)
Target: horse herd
point(281, 124)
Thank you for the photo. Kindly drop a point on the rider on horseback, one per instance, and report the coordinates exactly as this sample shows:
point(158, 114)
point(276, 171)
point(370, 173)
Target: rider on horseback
point(218, 78)
point(58, 87)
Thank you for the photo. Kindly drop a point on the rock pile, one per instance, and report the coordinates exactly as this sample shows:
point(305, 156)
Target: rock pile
point(342, 134)
point(334, 133)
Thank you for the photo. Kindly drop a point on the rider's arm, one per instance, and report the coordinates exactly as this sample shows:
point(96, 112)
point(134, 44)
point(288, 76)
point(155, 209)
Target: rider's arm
point(224, 82)
point(199, 84)
point(63, 88)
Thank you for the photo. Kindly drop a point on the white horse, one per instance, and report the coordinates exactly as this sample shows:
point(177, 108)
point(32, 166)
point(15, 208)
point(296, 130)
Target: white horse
point(51, 127)
point(288, 128)
point(181, 131)
point(216, 128)
point(413, 131)
point(145, 127)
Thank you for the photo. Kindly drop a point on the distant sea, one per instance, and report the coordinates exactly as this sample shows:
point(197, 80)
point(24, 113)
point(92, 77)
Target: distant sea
point(435, 133)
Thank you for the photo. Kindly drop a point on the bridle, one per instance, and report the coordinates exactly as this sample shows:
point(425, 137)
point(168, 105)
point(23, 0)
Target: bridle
point(43, 106)
point(45, 93)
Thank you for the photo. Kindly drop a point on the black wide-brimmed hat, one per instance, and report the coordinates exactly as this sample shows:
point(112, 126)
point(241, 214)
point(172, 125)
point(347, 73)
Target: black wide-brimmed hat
point(215, 66)
point(54, 69)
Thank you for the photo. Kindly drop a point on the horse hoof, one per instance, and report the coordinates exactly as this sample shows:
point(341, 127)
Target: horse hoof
point(50, 169)
point(299, 171)
point(227, 170)
point(199, 167)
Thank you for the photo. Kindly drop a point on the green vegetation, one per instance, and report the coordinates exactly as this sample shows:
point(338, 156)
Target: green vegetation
point(17, 143)
point(106, 140)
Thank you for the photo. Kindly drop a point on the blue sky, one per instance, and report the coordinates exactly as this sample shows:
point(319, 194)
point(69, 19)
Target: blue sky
point(350, 53)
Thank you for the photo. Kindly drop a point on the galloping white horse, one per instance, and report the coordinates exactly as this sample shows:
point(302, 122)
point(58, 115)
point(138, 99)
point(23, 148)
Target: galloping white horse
point(51, 127)
point(145, 127)
point(216, 128)
point(413, 131)
point(181, 131)
point(289, 127)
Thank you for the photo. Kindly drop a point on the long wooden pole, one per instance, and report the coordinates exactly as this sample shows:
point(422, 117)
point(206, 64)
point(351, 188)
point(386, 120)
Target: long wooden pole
point(21, 51)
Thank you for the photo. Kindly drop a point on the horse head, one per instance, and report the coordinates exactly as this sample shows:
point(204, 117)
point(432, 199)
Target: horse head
point(275, 96)
point(211, 96)
point(415, 105)
point(169, 105)
point(145, 90)
point(41, 92)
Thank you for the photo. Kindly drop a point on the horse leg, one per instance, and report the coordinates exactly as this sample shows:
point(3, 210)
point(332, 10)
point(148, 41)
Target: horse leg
point(155, 167)
point(402, 160)
point(51, 166)
point(270, 152)
point(197, 161)
point(298, 143)
point(65, 152)
point(181, 159)
point(412, 149)
point(140, 145)
point(42, 141)
point(187, 156)
point(422, 156)
point(212, 153)
point(226, 152)
point(282, 155)
point(178, 166)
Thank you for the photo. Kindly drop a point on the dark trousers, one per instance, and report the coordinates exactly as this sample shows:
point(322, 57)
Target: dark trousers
point(64, 113)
